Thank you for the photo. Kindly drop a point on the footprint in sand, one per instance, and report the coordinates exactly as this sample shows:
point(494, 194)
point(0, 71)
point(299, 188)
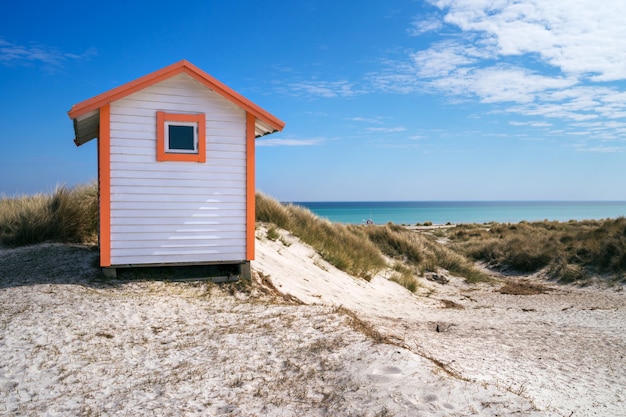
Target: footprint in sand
point(385, 374)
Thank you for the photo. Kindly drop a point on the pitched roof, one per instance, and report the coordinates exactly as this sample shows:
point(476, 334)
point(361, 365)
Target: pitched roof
point(85, 114)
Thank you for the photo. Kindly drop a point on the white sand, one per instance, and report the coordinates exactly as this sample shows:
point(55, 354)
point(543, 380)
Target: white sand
point(71, 344)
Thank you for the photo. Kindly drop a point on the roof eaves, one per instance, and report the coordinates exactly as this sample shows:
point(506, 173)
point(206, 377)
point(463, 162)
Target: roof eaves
point(125, 89)
point(188, 68)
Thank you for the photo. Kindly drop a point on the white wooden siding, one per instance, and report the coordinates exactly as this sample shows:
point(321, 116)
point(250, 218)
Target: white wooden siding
point(177, 212)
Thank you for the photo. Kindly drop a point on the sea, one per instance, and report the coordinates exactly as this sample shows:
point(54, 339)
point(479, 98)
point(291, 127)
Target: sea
point(458, 212)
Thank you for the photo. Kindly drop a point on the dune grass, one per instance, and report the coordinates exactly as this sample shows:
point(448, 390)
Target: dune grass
point(419, 251)
point(345, 247)
point(68, 215)
point(361, 251)
point(570, 251)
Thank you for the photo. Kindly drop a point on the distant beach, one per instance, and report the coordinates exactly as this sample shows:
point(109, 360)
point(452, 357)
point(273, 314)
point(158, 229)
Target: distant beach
point(455, 212)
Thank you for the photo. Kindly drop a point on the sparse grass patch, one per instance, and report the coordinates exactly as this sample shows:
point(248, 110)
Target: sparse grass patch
point(523, 288)
point(451, 304)
point(404, 276)
point(272, 232)
point(362, 327)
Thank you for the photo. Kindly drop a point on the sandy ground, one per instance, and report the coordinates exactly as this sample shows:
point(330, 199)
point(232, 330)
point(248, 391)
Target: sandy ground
point(72, 343)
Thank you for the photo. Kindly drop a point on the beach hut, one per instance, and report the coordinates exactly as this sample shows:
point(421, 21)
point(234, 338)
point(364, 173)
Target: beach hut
point(175, 169)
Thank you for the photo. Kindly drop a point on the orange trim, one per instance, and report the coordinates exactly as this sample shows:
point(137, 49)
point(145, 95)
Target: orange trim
point(165, 73)
point(250, 187)
point(104, 176)
point(162, 155)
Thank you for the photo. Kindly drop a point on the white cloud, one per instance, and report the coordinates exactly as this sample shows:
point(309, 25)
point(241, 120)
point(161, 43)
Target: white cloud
point(370, 120)
point(420, 25)
point(598, 149)
point(443, 58)
point(499, 83)
point(559, 59)
point(532, 124)
point(326, 89)
point(585, 38)
point(15, 54)
point(386, 129)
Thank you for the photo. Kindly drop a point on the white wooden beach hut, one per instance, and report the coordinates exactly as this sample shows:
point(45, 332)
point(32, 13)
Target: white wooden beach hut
point(175, 169)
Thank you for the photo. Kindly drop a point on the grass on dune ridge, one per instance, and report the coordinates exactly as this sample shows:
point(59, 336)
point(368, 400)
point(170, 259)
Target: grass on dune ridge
point(346, 247)
point(568, 251)
point(361, 251)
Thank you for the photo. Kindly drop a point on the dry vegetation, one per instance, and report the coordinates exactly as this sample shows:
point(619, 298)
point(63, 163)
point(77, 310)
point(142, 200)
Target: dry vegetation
point(345, 247)
point(362, 250)
point(570, 252)
point(66, 215)
point(421, 252)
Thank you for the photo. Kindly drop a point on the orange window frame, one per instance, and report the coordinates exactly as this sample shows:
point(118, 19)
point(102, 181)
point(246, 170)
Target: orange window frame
point(163, 155)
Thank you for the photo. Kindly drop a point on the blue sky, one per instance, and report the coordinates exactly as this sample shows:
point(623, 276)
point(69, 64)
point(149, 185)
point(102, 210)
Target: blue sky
point(383, 100)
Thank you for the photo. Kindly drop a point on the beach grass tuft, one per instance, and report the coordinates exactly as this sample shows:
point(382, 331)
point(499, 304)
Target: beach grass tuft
point(422, 252)
point(68, 215)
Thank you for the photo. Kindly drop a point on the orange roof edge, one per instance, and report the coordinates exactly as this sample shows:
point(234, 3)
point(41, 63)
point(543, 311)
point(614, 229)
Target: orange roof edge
point(187, 67)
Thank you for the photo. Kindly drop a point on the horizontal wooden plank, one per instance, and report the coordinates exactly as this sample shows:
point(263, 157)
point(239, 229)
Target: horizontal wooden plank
point(181, 104)
point(177, 216)
point(214, 127)
point(233, 180)
point(170, 230)
point(123, 118)
point(149, 155)
point(172, 259)
point(125, 242)
point(184, 86)
point(226, 189)
point(151, 97)
point(147, 138)
point(177, 179)
point(156, 251)
point(131, 150)
point(190, 198)
point(188, 206)
point(125, 111)
point(234, 167)
point(167, 223)
point(149, 163)
point(214, 151)
point(143, 124)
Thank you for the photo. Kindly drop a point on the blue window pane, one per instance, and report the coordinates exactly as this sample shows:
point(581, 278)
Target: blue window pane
point(181, 138)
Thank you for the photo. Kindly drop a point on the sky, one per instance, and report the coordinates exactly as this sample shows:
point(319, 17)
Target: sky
point(383, 100)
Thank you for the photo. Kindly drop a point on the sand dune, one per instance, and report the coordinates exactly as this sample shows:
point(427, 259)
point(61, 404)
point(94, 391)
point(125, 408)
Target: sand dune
point(74, 344)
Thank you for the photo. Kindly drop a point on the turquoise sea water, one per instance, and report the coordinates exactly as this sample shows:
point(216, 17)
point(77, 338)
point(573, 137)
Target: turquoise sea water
point(455, 212)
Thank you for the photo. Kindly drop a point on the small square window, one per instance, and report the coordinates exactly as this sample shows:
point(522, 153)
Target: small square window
point(181, 137)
